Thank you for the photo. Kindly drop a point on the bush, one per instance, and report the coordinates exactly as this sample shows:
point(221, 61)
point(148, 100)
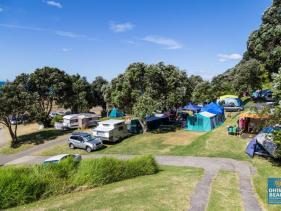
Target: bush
point(108, 170)
point(21, 185)
point(57, 118)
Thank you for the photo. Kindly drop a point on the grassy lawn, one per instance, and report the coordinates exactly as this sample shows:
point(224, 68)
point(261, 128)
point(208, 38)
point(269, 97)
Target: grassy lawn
point(213, 144)
point(225, 194)
point(28, 140)
point(170, 189)
point(149, 143)
point(265, 169)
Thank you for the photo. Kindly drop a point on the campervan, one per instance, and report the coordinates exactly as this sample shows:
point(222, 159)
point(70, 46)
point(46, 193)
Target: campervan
point(82, 120)
point(111, 130)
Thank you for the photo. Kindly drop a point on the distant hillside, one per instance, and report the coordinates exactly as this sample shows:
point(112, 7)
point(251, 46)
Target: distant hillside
point(260, 61)
point(2, 83)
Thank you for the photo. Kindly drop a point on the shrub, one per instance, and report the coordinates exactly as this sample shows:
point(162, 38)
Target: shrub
point(108, 170)
point(57, 118)
point(19, 186)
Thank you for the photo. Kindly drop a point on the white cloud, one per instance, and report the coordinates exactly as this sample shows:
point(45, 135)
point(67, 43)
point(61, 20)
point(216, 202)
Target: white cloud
point(54, 4)
point(164, 41)
point(66, 49)
point(56, 32)
point(69, 34)
point(229, 57)
point(121, 27)
point(1, 9)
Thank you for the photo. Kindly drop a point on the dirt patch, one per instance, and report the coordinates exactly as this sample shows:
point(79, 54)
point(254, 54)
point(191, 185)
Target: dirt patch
point(181, 138)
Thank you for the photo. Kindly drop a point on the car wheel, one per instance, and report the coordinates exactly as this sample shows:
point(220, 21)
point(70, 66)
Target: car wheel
point(88, 149)
point(71, 146)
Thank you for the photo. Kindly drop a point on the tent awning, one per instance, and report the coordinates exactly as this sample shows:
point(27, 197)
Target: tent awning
point(254, 116)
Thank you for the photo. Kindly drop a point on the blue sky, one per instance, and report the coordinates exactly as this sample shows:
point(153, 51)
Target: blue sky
point(101, 37)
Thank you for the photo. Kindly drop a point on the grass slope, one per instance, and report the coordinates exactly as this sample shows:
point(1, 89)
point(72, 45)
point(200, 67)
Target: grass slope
point(170, 189)
point(225, 194)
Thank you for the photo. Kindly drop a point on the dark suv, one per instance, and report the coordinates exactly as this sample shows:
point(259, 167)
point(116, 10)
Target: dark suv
point(84, 141)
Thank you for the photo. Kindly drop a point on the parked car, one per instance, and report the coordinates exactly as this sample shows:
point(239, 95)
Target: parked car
point(84, 141)
point(111, 130)
point(61, 157)
point(19, 120)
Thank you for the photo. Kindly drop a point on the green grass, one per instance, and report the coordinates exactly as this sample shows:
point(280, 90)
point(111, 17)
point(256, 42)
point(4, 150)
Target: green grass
point(170, 189)
point(225, 194)
point(265, 169)
point(149, 143)
point(212, 144)
point(29, 140)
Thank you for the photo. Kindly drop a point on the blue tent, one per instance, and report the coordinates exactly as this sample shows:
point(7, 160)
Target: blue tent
point(154, 122)
point(192, 107)
point(115, 113)
point(213, 108)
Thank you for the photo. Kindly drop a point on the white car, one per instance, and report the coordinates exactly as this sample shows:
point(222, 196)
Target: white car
point(59, 158)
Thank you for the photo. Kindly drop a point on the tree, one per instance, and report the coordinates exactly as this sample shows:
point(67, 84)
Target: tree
point(165, 84)
point(194, 80)
point(277, 142)
point(260, 61)
point(202, 93)
point(145, 106)
point(247, 76)
point(47, 86)
point(15, 101)
point(79, 96)
point(276, 86)
point(98, 87)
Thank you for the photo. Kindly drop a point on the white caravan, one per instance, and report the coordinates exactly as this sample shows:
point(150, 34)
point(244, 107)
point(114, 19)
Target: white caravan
point(111, 130)
point(82, 120)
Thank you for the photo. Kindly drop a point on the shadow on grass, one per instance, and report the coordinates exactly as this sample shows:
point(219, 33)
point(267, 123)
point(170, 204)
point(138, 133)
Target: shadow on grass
point(39, 137)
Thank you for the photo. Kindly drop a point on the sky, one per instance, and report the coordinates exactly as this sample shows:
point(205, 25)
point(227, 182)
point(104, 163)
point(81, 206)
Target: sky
point(102, 37)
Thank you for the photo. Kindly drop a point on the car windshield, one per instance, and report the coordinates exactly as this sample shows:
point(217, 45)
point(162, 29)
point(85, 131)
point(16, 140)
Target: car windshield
point(89, 137)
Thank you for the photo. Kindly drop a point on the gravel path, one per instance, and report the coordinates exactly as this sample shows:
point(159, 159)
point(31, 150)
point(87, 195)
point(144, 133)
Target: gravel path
point(36, 149)
point(200, 196)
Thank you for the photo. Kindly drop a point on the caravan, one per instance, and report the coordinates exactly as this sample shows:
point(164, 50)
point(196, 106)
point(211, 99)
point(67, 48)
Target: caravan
point(82, 120)
point(111, 130)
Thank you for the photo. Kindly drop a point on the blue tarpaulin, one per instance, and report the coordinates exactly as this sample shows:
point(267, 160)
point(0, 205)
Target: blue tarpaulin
point(192, 107)
point(250, 149)
point(213, 108)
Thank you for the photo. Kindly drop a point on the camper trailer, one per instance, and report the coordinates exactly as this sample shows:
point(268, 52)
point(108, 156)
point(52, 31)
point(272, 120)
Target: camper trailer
point(82, 120)
point(111, 130)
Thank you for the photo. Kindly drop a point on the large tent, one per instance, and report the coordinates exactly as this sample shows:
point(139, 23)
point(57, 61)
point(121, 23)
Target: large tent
point(115, 113)
point(203, 121)
point(210, 117)
point(213, 108)
point(230, 102)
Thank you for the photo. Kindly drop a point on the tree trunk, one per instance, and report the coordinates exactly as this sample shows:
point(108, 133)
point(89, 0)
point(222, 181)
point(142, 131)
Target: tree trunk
point(13, 136)
point(143, 125)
